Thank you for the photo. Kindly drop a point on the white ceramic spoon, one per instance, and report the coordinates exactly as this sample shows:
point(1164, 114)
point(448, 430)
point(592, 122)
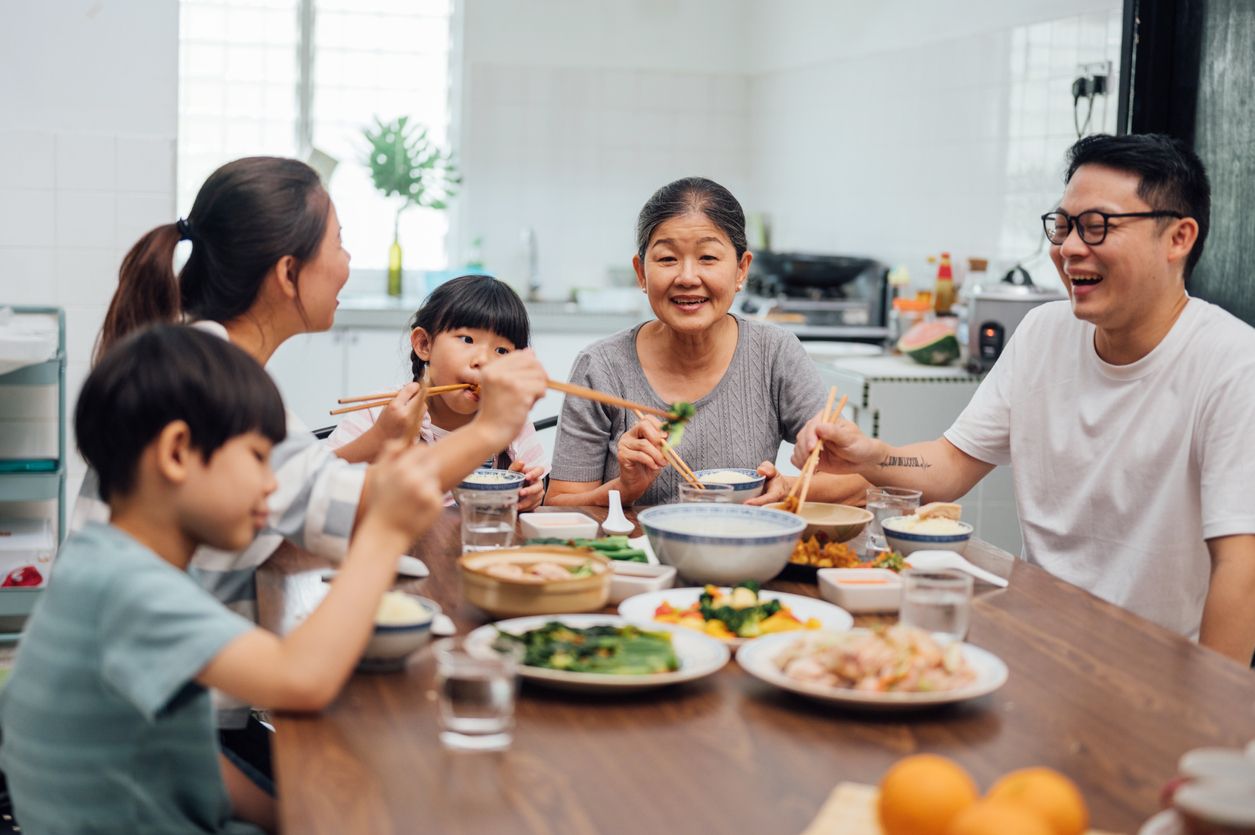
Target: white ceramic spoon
point(616, 522)
point(930, 560)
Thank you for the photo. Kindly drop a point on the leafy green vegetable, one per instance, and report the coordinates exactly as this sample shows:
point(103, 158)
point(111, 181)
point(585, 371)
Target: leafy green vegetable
point(611, 547)
point(681, 413)
point(744, 621)
point(614, 650)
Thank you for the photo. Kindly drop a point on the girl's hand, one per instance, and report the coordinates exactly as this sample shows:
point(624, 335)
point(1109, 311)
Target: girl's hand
point(509, 387)
point(533, 489)
point(399, 415)
point(776, 487)
point(409, 498)
point(640, 457)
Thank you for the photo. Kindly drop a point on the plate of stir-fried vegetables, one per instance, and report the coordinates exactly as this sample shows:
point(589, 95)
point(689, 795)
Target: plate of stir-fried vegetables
point(602, 653)
point(884, 668)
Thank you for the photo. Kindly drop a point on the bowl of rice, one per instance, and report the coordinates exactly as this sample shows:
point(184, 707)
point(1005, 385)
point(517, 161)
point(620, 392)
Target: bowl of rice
point(906, 534)
point(402, 625)
point(492, 480)
point(746, 484)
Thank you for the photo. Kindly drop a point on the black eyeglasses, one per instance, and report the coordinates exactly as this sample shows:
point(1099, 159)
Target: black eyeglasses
point(1091, 226)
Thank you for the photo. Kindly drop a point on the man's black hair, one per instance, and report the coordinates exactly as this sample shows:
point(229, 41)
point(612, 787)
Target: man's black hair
point(1172, 176)
point(162, 374)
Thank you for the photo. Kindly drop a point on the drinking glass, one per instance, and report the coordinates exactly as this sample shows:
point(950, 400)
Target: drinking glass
point(476, 694)
point(707, 493)
point(937, 601)
point(488, 518)
point(885, 503)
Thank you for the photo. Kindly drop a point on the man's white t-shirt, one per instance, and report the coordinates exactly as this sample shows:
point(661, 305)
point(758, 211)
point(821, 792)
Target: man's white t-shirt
point(1122, 472)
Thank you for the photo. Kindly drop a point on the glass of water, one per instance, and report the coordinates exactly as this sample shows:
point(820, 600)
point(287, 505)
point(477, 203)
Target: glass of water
point(488, 518)
point(706, 493)
point(937, 601)
point(476, 694)
point(885, 503)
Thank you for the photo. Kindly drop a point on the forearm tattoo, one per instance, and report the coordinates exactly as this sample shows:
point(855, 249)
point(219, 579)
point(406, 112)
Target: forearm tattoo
point(910, 462)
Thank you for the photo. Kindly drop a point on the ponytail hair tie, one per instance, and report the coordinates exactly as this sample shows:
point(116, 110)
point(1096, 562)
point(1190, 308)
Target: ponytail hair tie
point(185, 230)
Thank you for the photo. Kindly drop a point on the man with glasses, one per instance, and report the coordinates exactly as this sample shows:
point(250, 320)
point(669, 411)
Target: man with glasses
point(1128, 411)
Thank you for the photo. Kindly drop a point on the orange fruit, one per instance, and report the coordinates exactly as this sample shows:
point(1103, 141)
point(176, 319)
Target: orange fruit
point(920, 795)
point(1054, 798)
point(998, 817)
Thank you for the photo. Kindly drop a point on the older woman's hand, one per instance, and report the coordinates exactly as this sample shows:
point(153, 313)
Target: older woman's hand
point(775, 488)
point(640, 457)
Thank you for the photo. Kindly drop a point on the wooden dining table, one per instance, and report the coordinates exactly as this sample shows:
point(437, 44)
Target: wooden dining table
point(1100, 694)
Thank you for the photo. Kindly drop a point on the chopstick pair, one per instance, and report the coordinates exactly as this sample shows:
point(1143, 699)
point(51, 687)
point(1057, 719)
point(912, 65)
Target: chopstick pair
point(372, 401)
point(675, 460)
point(812, 461)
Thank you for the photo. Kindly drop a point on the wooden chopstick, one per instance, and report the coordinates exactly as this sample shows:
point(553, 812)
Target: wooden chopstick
point(823, 417)
point(387, 398)
point(608, 399)
point(675, 460)
point(813, 461)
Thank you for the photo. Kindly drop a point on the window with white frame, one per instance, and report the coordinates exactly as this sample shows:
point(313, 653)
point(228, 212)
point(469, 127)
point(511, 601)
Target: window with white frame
point(284, 76)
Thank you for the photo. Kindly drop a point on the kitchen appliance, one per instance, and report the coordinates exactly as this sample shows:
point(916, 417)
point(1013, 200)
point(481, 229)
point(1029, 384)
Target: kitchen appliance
point(995, 311)
point(819, 296)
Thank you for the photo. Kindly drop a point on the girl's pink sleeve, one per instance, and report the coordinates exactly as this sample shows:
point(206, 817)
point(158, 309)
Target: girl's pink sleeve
point(528, 449)
point(352, 427)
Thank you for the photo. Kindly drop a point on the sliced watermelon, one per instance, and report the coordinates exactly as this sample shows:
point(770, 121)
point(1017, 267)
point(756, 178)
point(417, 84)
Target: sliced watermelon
point(930, 343)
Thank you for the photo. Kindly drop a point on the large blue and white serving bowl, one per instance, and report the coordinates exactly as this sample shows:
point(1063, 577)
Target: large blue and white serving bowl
point(748, 483)
point(723, 544)
point(906, 542)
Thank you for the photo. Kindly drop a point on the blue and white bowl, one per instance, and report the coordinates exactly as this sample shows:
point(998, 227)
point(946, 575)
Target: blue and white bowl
point(491, 480)
point(741, 490)
point(906, 542)
point(723, 544)
point(391, 644)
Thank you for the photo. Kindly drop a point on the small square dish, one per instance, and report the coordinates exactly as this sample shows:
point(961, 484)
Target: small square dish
point(861, 589)
point(564, 525)
point(632, 578)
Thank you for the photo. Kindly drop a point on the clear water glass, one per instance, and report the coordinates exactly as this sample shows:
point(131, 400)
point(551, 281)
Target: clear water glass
point(937, 601)
point(488, 518)
point(707, 493)
point(476, 691)
point(885, 503)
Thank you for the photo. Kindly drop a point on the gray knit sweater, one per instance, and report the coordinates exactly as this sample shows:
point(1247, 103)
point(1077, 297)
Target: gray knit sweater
point(770, 390)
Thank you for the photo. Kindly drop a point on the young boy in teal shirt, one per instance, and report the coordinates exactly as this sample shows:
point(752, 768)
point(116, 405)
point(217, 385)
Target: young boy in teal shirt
point(107, 723)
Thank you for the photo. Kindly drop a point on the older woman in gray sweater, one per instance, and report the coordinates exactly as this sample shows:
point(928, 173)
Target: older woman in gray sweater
point(752, 383)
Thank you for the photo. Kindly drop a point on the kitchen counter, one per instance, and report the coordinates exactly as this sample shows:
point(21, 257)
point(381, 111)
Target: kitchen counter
point(384, 312)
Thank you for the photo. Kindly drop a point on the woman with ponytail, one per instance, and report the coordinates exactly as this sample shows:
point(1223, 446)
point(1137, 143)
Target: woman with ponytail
point(266, 264)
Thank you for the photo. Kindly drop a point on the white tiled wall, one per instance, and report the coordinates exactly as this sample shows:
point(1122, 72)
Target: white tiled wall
point(86, 159)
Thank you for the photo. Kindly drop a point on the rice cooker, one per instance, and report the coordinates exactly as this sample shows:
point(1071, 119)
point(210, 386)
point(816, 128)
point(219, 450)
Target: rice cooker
point(996, 310)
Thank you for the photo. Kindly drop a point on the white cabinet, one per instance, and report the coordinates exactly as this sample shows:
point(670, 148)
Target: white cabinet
point(902, 402)
point(309, 370)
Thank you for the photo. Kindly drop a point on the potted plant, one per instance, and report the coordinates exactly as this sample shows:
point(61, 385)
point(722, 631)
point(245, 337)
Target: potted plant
point(405, 163)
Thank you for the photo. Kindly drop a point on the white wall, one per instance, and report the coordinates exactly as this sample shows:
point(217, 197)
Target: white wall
point(87, 136)
point(574, 111)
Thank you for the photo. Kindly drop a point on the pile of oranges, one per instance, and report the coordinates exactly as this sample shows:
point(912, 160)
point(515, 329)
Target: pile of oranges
point(931, 795)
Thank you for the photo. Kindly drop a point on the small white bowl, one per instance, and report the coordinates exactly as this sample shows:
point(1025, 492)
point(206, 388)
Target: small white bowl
point(857, 589)
point(563, 525)
point(906, 542)
point(392, 644)
point(489, 479)
point(742, 491)
point(633, 578)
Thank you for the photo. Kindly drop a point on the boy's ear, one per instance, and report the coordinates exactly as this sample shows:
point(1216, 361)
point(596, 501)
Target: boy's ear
point(420, 341)
point(172, 451)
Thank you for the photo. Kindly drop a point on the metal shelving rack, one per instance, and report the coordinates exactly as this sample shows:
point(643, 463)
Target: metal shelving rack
point(35, 479)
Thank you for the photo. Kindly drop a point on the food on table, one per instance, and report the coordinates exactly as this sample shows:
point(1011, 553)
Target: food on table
point(940, 510)
point(739, 613)
point(829, 554)
point(922, 794)
point(608, 650)
point(727, 477)
point(1053, 797)
point(614, 547)
point(489, 478)
point(399, 609)
point(936, 518)
point(681, 413)
point(896, 659)
point(997, 817)
point(539, 571)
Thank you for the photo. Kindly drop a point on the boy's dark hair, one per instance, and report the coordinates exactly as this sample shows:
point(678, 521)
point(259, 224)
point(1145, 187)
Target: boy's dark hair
point(687, 196)
point(249, 214)
point(471, 301)
point(1172, 176)
point(162, 374)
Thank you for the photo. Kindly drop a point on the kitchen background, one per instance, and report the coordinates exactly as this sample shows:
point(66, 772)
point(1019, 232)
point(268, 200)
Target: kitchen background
point(893, 130)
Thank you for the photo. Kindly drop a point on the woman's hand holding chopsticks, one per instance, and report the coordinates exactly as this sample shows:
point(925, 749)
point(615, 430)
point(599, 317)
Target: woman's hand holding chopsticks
point(640, 457)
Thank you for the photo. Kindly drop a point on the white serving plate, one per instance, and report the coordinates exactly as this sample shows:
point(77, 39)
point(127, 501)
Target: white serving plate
point(757, 658)
point(640, 609)
point(699, 656)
